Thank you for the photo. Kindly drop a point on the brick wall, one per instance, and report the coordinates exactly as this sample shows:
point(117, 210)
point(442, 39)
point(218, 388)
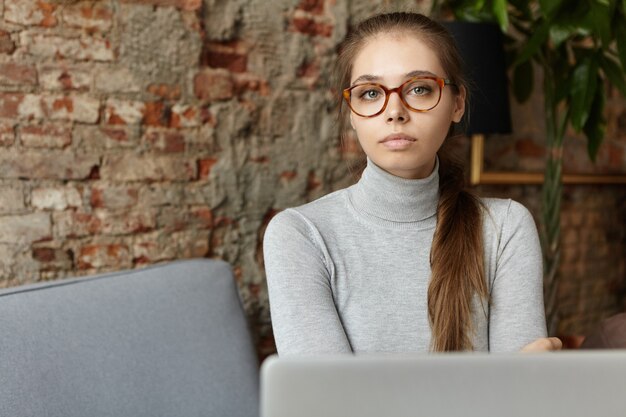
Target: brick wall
point(139, 131)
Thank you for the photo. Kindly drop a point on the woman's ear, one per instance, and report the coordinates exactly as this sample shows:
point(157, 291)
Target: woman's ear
point(459, 105)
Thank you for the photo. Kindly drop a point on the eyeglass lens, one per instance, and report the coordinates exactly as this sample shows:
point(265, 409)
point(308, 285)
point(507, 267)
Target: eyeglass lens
point(419, 94)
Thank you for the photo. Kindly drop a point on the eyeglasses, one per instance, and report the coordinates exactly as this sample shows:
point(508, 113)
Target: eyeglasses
point(419, 94)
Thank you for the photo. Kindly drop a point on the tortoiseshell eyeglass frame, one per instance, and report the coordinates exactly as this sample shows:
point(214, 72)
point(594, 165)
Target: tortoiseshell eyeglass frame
point(440, 81)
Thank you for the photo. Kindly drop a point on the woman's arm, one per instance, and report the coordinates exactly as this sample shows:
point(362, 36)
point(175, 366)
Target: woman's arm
point(517, 314)
point(297, 267)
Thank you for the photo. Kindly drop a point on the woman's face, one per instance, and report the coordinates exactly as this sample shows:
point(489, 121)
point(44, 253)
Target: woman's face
point(388, 59)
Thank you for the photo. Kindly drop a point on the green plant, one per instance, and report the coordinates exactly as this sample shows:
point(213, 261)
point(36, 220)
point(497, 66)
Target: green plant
point(581, 48)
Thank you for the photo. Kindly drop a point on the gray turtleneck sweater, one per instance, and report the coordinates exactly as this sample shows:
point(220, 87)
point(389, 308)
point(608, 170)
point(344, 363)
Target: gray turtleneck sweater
point(349, 272)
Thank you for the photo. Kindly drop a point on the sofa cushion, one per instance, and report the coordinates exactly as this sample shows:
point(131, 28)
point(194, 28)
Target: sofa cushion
point(167, 340)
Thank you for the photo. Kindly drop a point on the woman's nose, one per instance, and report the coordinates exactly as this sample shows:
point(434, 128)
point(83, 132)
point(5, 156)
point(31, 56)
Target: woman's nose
point(396, 111)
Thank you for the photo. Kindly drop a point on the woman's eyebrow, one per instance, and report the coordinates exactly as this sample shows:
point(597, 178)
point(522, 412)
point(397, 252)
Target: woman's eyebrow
point(416, 73)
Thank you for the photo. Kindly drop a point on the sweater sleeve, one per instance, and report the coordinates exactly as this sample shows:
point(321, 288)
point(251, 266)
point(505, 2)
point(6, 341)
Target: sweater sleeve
point(517, 314)
point(298, 270)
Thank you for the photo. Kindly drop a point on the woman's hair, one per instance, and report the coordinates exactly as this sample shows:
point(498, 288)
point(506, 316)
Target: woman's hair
point(456, 257)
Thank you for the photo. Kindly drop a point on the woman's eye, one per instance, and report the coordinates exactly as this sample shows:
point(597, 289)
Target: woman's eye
point(420, 90)
point(370, 94)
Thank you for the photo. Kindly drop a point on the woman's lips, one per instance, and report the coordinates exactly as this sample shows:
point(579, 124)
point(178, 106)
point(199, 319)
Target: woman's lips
point(397, 141)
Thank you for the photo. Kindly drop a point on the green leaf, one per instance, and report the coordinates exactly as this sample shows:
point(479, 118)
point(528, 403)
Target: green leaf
point(620, 37)
point(584, 83)
point(562, 85)
point(548, 7)
point(614, 73)
point(502, 15)
point(558, 34)
point(523, 79)
point(479, 4)
point(534, 43)
point(599, 20)
point(595, 127)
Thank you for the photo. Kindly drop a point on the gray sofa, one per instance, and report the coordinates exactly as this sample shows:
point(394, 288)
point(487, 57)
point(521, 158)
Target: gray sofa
point(168, 340)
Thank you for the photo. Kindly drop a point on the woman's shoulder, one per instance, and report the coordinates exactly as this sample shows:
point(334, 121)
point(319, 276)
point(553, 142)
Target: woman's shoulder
point(309, 214)
point(506, 213)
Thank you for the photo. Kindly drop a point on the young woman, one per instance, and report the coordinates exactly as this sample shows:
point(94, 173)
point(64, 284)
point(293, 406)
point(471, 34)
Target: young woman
point(404, 260)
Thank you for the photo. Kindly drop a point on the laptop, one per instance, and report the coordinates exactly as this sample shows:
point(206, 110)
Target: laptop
point(566, 383)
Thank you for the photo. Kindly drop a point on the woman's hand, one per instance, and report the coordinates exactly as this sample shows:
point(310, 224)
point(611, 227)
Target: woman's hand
point(544, 344)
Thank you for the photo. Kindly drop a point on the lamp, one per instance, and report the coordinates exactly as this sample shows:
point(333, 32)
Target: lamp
point(480, 45)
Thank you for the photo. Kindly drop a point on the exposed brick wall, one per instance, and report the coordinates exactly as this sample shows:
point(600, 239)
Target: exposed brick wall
point(141, 131)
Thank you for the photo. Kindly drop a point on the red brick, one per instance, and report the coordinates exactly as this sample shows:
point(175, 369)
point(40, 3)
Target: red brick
point(308, 69)
point(259, 159)
point(230, 55)
point(188, 5)
point(44, 254)
point(213, 85)
point(9, 105)
point(170, 141)
point(49, 164)
point(12, 74)
point(52, 258)
point(311, 27)
point(25, 228)
point(165, 91)
point(45, 136)
point(55, 198)
point(114, 196)
point(192, 244)
point(153, 247)
point(616, 159)
point(75, 108)
point(157, 113)
point(186, 116)
point(7, 46)
point(148, 167)
point(30, 12)
point(247, 82)
point(11, 199)
point(89, 15)
point(103, 255)
point(124, 112)
point(105, 137)
point(57, 78)
point(123, 222)
point(204, 167)
point(201, 217)
point(288, 175)
point(312, 6)
point(172, 218)
point(160, 194)
point(7, 134)
point(528, 148)
point(72, 224)
point(83, 48)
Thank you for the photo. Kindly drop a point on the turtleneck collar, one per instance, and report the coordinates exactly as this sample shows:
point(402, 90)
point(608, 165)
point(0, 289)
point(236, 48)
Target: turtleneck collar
point(388, 197)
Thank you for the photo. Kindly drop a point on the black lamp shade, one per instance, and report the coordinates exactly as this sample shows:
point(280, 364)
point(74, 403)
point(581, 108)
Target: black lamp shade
point(481, 48)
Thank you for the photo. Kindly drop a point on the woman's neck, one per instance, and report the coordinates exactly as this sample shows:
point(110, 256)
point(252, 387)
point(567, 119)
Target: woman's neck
point(389, 197)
